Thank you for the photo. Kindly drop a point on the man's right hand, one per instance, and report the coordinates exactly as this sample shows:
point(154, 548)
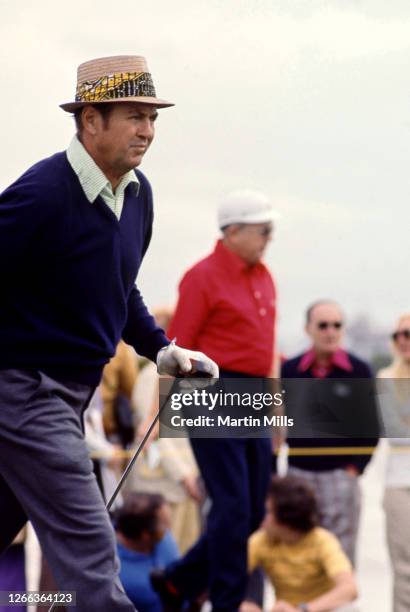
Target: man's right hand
point(174, 360)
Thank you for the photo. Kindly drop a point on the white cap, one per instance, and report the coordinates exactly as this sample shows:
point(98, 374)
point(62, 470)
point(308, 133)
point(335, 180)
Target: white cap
point(245, 207)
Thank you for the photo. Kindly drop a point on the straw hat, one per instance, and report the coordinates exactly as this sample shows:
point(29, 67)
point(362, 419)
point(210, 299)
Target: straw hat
point(121, 78)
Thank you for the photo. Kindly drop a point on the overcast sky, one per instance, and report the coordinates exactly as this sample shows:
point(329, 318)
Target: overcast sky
point(306, 100)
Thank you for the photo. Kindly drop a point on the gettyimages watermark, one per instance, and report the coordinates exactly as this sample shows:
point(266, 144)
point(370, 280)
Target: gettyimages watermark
point(305, 408)
point(248, 407)
point(210, 400)
point(220, 403)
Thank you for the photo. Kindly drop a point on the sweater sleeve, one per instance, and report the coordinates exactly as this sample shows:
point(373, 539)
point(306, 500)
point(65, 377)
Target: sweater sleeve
point(25, 206)
point(140, 330)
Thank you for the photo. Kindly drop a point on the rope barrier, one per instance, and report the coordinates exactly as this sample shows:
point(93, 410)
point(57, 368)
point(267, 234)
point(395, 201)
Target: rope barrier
point(299, 452)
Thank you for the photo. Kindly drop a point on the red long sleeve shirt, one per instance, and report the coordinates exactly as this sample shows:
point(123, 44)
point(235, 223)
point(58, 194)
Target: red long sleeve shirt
point(226, 309)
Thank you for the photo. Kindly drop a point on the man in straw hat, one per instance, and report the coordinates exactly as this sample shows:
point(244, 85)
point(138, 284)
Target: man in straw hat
point(73, 231)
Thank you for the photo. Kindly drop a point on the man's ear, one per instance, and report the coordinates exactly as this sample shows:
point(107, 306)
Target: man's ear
point(232, 231)
point(90, 117)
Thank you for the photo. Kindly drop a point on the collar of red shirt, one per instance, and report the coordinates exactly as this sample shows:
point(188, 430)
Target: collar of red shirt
point(232, 261)
point(340, 359)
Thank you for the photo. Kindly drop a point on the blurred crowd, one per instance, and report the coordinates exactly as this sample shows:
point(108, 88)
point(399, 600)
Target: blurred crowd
point(170, 507)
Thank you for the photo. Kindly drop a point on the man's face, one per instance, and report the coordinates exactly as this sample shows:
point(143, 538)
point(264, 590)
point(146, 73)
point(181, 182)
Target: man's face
point(250, 240)
point(325, 328)
point(402, 339)
point(120, 142)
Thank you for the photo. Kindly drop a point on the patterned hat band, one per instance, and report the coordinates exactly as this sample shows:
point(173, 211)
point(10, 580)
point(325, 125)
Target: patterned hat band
point(117, 85)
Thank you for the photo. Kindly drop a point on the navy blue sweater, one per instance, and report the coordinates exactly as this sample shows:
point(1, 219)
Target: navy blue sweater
point(290, 369)
point(67, 272)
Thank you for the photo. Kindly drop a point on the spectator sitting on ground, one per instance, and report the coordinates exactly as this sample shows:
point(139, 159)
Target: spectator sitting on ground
point(144, 543)
point(305, 563)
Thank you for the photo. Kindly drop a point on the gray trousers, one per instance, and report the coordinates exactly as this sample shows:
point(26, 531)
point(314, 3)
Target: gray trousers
point(339, 503)
point(46, 476)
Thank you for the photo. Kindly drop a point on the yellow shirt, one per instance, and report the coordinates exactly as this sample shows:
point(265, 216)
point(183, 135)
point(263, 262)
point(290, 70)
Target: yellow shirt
point(301, 571)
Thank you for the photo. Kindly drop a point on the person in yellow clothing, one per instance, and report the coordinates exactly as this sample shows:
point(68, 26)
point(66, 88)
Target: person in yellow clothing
point(118, 379)
point(305, 563)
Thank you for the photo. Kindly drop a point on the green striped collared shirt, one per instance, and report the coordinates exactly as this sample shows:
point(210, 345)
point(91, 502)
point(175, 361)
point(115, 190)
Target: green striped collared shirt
point(93, 180)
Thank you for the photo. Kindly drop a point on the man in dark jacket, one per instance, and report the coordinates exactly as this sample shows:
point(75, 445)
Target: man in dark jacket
point(332, 463)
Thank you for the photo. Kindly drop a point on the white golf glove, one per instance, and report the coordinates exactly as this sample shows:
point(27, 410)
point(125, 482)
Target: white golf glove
point(173, 360)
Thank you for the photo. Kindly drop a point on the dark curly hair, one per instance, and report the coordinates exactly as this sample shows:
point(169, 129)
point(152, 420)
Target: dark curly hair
point(138, 513)
point(294, 503)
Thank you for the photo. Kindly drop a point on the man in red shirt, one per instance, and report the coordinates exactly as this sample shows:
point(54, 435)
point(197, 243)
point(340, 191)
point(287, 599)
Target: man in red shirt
point(226, 309)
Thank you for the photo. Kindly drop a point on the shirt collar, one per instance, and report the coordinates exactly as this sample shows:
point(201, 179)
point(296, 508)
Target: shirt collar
point(232, 261)
point(91, 177)
point(339, 359)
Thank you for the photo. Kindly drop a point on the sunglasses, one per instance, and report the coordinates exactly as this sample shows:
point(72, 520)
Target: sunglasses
point(327, 324)
point(265, 231)
point(404, 333)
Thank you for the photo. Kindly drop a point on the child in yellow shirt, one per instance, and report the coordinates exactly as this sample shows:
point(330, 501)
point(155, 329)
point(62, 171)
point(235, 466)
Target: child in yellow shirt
point(306, 564)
